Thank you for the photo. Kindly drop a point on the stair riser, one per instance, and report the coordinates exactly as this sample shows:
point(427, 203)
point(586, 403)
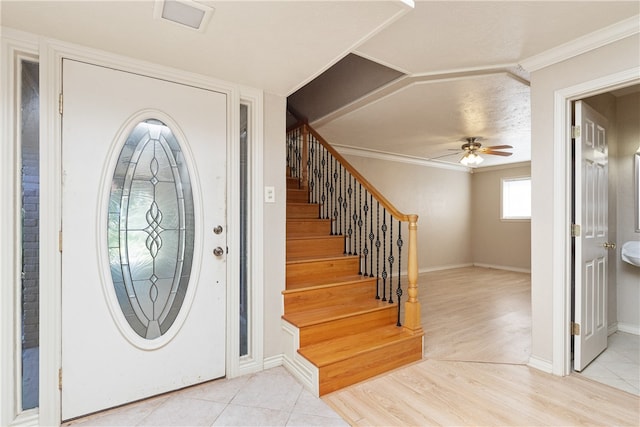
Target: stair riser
point(329, 246)
point(297, 196)
point(349, 325)
point(313, 298)
point(308, 228)
point(293, 183)
point(303, 211)
point(318, 272)
point(363, 366)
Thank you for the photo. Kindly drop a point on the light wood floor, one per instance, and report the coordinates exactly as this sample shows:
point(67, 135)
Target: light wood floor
point(477, 343)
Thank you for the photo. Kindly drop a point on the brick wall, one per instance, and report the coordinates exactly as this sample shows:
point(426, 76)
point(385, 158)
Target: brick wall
point(30, 205)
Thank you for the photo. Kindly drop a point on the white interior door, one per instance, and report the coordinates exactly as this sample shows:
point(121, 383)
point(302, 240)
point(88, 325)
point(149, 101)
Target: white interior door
point(591, 213)
point(143, 295)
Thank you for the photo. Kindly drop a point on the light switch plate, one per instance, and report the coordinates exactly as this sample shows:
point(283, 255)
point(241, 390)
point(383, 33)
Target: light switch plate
point(269, 194)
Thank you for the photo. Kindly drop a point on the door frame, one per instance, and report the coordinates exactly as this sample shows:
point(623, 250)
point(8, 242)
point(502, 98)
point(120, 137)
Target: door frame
point(563, 265)
point(49, 53)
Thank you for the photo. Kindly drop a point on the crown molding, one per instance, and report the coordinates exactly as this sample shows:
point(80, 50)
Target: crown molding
point(594, 40)
point(501, 167)
point(401, 158)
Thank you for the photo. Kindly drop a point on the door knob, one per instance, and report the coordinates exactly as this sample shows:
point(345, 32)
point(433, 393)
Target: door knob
point(609, 245)
point(218, 251)
point(218, 229)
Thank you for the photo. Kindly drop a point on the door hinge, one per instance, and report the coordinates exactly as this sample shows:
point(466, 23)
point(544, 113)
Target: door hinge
point(575, 328)
point(60, 103)
point(60, 241)
point(575, 230)
point(59, 378)
point(575, 132)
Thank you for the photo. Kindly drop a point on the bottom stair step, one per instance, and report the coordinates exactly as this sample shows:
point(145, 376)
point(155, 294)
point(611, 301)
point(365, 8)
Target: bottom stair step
point(350, 359)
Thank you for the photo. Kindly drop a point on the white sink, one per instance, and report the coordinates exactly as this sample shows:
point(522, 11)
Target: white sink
point(631, 253)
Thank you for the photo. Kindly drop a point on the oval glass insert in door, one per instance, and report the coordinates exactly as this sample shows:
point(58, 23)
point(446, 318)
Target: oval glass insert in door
point(150, 228)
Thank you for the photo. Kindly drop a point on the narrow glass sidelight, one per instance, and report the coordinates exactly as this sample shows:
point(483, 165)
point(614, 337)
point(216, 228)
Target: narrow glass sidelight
point(150, 229)
point(30, 231)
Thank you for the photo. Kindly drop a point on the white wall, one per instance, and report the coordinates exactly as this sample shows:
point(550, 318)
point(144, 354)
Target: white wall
point(628, 276)
point(547, 258)
point(496, 242)
point(440, 197)
point(274, 222)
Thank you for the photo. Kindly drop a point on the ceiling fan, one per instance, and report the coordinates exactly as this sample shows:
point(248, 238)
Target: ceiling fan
point(473, 148)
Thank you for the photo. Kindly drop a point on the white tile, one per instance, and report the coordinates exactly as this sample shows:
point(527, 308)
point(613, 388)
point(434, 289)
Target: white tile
point(128, 415)
point(235, 415)
point(625, 371)
point(598, 370)
point(303, 420)
point(308, 404)
point(180, 411)
point(271, 389)
point(222, 390)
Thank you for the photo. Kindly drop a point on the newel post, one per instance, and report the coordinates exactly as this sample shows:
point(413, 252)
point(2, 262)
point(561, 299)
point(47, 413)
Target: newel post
point(412, 306)
point(305, 157)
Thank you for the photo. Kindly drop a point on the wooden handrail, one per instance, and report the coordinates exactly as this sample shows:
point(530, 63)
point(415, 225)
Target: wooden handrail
point(412, 321)
point(366, 184)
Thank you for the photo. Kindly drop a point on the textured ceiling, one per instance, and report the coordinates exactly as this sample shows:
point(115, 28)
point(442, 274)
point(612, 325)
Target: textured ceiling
point(461, 60)
point(460, 57)
point(277, 46)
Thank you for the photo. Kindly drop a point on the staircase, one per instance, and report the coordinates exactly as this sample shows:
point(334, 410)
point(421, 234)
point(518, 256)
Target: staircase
point(342, 333)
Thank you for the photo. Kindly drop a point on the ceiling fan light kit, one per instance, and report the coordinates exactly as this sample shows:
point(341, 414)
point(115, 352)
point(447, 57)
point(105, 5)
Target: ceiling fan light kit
point(472, 149)
point(471, 159)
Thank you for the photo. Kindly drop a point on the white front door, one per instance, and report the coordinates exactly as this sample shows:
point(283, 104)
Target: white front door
point(591, 214)
point(143, 294)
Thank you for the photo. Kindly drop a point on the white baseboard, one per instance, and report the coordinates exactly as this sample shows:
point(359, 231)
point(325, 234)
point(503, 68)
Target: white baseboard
point(273, 361)
point(298, 366)
point(629, 328)
point(471, 264)
point(444, 267)
point(540, 364)
point(502, 267)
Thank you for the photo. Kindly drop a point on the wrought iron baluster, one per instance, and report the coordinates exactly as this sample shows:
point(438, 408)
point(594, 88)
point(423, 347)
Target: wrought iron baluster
point(391, 259)
point(334, 192)
point(399, 288)
point(344, 210)
point(377, 250)
point(339, 209)
point(360, 220)
point(329, 207)
point(371, 236)
point(365, 252)
point(384, 254)
point(348, 216)
point(312, 170)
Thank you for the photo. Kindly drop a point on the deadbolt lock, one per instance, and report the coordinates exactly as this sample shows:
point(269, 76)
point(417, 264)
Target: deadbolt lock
point(218, 229)
point(218, 251)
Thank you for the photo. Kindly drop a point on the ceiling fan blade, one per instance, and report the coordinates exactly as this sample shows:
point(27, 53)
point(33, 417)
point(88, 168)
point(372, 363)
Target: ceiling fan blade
point(498, 147)
point(497, 153)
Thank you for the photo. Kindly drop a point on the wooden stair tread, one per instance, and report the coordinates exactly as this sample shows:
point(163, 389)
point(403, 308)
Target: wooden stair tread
point(303, 204)
point(342, 281)
point(345, 347)
point(307, 259)
point(331, 236)
point(334, 312)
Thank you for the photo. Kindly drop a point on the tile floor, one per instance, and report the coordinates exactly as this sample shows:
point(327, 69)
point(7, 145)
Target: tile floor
point(269, 398)
point(619, 365)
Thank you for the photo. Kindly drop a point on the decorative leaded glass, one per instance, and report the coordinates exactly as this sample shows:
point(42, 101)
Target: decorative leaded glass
point(150, 229)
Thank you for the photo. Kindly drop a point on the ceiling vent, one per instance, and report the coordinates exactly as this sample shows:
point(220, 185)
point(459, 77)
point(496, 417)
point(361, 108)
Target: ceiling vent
point(186, 13)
